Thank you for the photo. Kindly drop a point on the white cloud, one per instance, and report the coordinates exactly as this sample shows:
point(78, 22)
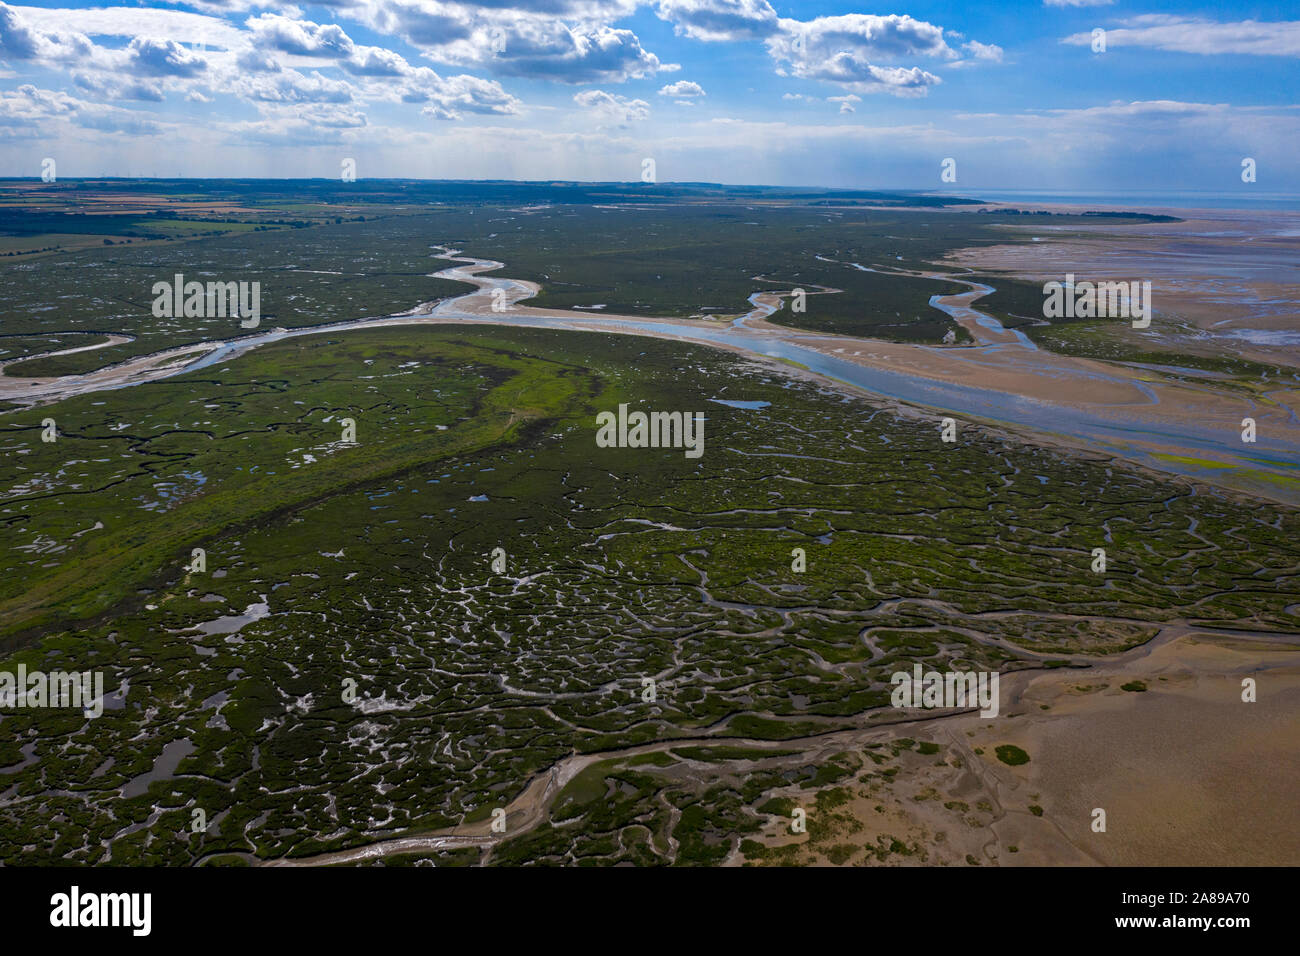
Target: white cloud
point(612, 109)
point(261, 66)
point(183, 27)
point(19, 40)
point(719, 20)
point(252, 60)
point(292, 87)
point(540, 48)
point(109, 86)
point(1179, 34)
point(374, 61)
point(293, 132)
point(846, 102)
point(983, 51)
point(682, 88)
point(565, 41)
point(231, 6)
point(31, 112)
point(863, 35)
point(299, 37)
point(450, 97)
point(844, 50)
point(163, 58)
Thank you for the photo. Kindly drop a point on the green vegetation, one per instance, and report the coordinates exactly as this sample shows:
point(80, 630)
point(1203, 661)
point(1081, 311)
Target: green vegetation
point(1011, 755)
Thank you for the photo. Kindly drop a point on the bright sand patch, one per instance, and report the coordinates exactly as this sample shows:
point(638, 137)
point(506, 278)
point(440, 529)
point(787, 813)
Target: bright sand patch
point(1187, 772)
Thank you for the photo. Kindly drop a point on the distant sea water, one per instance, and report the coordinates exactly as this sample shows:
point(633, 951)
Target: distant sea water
point(1246, 198)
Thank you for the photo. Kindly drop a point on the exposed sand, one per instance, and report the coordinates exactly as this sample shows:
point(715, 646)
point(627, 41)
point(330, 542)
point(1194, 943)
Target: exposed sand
point(1225, 273)
point(1187, 772)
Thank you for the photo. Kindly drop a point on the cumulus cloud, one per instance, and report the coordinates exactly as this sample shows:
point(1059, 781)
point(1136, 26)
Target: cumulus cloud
point(30, 112)
point(29, 103)
point(282, 34)
point(682, 88)
point(983, 51)
point(290, 86)
point(374, 61)
point(847, 50)
point(864, 35)
point(611, 109)
point(450, 97)
point(846, 102)
point(119, 87)
point(17, 40)
point(566, 41)
point(252, 60)
point(719, 20)
point(144, 69)
point(550, 50)
point(378, 73)
point(154, 57)
point(845, 69)
point(21, 41)
point(424, 25)
point(277, 63)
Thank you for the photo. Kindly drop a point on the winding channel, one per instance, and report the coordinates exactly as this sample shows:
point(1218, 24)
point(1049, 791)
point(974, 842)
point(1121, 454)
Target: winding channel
point(110, 339)
point(1127, 412)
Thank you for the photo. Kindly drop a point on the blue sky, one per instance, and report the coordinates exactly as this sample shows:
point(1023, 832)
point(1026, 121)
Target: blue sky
point(743, 91)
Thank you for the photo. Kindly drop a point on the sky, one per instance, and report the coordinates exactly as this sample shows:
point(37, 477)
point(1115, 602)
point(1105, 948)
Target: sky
point(1024, 94)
